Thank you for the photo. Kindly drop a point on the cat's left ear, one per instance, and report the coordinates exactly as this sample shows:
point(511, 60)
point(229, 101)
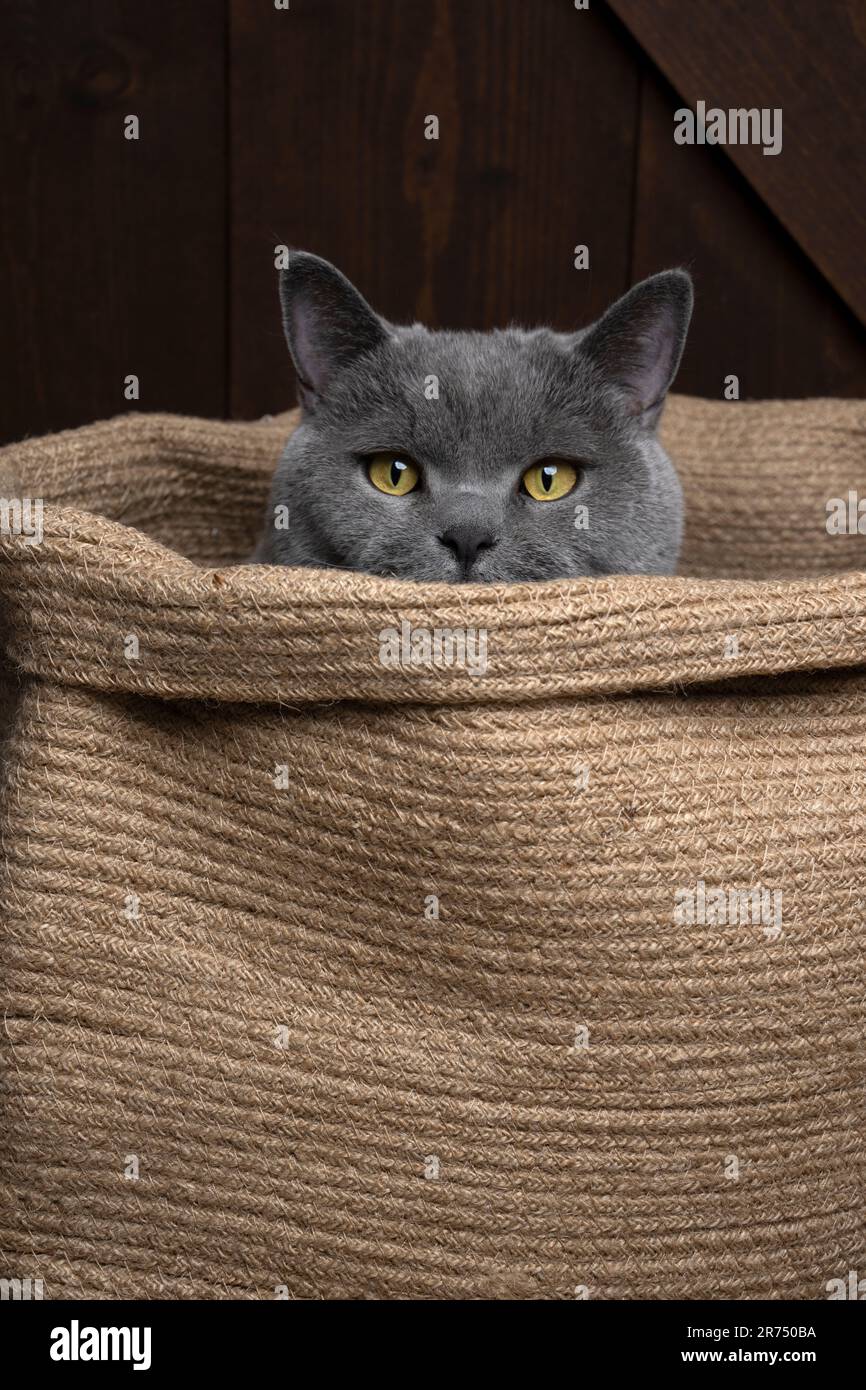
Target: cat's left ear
point(639, 341)
point(326, 321)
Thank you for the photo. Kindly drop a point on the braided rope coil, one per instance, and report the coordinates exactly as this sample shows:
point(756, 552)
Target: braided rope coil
point(323, 977)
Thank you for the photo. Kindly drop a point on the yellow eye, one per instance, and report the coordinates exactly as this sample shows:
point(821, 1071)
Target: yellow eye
point(547, 480)
point(393, 473)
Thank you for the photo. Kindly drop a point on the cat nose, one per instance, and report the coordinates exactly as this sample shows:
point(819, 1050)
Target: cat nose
point(466, 541)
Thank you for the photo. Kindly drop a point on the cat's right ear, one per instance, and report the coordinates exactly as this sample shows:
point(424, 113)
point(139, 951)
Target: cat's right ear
point(326, 321)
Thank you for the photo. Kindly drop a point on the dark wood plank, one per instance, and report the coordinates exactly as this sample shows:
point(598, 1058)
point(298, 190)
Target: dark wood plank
point(763, 312)
point(807, 58)
point(537, 107)
point(113, 251)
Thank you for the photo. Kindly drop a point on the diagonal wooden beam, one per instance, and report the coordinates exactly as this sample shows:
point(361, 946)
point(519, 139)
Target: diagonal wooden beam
point(806, 57)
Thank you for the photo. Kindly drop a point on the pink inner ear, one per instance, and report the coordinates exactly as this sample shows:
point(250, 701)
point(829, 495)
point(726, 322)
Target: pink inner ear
point(647, 373)
point(310, 360)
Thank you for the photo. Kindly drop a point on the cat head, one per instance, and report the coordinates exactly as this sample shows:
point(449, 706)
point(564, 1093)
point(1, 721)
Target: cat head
point(503, 456)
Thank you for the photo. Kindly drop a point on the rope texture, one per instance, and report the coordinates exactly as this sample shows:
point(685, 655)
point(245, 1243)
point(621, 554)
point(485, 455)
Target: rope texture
point(375, 978)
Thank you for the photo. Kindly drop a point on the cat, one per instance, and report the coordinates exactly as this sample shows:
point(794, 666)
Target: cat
point(518, 454)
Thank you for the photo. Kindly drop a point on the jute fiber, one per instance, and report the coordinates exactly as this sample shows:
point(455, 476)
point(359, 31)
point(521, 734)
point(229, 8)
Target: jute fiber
point(333, 979)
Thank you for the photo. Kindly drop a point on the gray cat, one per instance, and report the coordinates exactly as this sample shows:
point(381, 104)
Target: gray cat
point(482, 457)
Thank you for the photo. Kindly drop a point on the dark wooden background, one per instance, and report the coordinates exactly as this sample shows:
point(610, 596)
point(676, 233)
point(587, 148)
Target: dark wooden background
point(306, 126)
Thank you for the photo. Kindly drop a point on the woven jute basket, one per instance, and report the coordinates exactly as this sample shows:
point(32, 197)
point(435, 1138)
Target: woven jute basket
point(329, 978)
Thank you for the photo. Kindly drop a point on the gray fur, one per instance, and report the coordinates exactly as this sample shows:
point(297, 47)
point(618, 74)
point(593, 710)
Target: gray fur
point(506, 400)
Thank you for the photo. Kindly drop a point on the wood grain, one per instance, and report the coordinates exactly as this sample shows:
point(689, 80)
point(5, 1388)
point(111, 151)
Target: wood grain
point(807, 58)
point(113, 251)
point(306, 126)
point(537, 107)
point(762, 311)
